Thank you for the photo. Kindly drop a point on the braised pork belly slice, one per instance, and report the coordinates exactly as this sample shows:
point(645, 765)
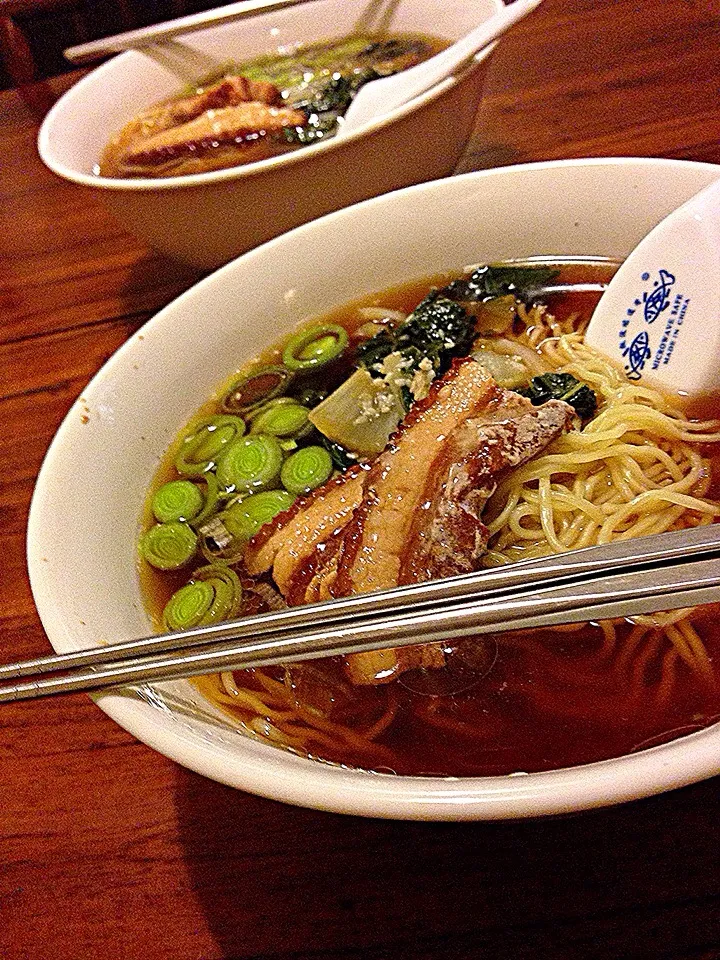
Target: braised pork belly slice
point(171, 114)
point(377, 539)
point(415, 513)
point(313, 582)
point(228, 92)
point(422, 519)
point(246, 125)
point(288, 543)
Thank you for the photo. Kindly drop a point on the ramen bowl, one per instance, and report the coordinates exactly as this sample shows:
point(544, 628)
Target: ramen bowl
point(82, 550)
point(207, 219)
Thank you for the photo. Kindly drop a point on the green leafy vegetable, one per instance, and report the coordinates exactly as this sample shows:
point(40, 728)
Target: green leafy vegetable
point(318, 127)
point(311, 395)
point(493, 280)
point(438, 329)
point(562, 386)
point(327, 94)
point(324, 101)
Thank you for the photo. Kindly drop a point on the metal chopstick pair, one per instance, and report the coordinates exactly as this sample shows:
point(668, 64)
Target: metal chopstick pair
point(625, 578)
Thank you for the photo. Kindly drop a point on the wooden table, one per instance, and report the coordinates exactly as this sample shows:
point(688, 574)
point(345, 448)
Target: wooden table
point(108, 850)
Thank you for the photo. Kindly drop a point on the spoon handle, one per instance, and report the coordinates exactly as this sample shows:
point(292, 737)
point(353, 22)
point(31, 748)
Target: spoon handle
point(380, 97)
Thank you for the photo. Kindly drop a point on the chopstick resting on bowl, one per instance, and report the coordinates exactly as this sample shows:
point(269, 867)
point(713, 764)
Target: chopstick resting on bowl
point(665, 571)
point(146, 36)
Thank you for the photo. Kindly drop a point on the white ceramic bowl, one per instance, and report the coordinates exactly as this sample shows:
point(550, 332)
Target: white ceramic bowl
point(86, 507)
point(207, 219)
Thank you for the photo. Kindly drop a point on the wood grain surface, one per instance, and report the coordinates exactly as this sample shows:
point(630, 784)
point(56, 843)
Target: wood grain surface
point(108, 850)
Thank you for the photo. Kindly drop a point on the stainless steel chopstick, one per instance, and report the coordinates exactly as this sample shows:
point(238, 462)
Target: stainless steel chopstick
point(627, 554)
point(621, 594)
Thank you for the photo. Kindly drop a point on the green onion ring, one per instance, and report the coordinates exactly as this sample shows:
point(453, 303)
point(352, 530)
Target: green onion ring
point(307, 469)
point(315, 346)
point(214, 593)
point(204, 443)
point(255, 387)
point(282, 417)
point(244, 519)
point(177, 500)
point(168, 546)
point(211, 500)
point(252, 463)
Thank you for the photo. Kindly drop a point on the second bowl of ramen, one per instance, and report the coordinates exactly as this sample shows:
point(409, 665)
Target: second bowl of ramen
point(434, 412)
point(236, 161)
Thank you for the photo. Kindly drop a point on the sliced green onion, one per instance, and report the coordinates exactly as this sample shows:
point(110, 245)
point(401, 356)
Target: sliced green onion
point(315, 346)
point(188, 606)
point(202, 446)
point(224, 539)
point(256, 386)
point(252, 463)
point(282, 418)
point(213, 594)
point(245, 518)
point(168, 546)
point(212, 500)
point(306, 469)
point(177, 500)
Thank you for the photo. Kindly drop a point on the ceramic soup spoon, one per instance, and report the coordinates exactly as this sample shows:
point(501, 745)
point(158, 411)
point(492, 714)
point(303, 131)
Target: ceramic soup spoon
point(660, 315)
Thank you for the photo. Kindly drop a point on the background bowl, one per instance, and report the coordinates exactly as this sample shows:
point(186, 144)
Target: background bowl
point(87, 503)
point(207, 219)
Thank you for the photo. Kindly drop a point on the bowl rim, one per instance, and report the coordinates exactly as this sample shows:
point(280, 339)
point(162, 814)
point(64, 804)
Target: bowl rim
point(284, 776)
point(259, 167)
